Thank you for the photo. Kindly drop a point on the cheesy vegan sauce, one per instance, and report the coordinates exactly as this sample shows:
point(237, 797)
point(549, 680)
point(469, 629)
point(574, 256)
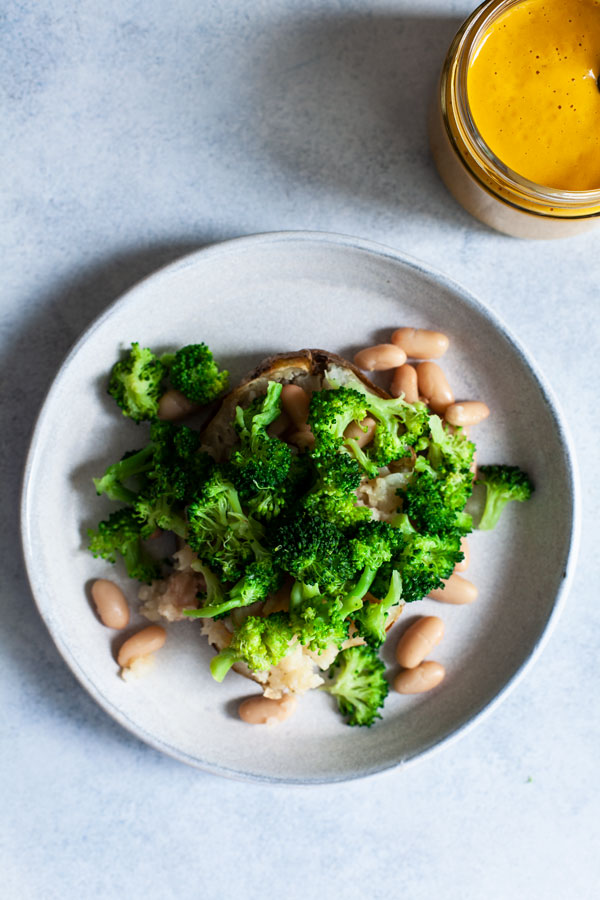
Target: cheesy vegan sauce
point(534, 94)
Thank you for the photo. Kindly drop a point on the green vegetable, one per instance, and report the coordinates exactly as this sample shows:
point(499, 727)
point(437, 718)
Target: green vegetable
point(503, 485)
point(194, 372)
point(370, 620)
point(259, 642)
point(221, 533)
point(260, 465)
point(136, 383)
point(121, 535)
point(358, 684)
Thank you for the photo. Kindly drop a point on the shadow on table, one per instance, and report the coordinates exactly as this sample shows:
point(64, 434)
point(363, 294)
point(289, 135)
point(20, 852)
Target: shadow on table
point(342, 103)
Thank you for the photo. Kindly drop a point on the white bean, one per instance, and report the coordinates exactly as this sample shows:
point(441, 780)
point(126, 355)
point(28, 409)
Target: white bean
point(380, 358)
point(261, 710)
point(418, 641)
point(142, 643)
point(467, 412)
point(434, 386)
point(457, 590)
point(173, 405)
point(361, 432)
point(111, 603)
point(423, 678)
point(419, 343)
point(295, 402)
point(405, 382)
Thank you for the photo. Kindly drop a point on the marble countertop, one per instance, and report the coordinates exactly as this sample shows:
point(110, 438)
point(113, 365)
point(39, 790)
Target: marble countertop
point(136, 132)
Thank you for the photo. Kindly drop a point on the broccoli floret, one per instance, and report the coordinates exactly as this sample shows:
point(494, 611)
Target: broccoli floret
point(169, 472)
point(219, 531)
point(336, 507)
point(370, 620)
point(374, 543)
point(358, 684)
point(259, 642)
point(136, 383)
point(313, 551)
point(399, 425)
point(121, 534)
point(194, 372)
point(316, 620)
point(503, 484)
point(425, 561)
point(330, 413)
point(450, 451)
point(133, 463)
point(333, 494)
point(157, 512)
point(435, 504)
point(260, 465)
point(260, 579)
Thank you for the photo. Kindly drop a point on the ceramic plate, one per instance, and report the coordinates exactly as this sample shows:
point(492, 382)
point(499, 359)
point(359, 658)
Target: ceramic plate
point(247, 299)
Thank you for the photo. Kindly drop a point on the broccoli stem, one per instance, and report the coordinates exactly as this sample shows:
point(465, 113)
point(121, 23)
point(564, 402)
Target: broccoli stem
point(353, 600)
point(111, 482)
point(222, 663)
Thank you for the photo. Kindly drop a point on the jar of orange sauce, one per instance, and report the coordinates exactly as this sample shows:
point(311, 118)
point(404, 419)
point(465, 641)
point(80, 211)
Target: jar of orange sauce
point(515, 130)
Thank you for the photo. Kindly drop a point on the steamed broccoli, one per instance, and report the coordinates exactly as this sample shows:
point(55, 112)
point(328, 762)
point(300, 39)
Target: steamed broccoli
point(168, 473)
point(136, 383)
point(358, 684)
point(399, 425)
point(133, 463)
point(259, 643)
point(219, 530)
point(121, 534)
point(370, 620)
point(316, 620)
point(194, 372)
point(312, 550)
point(435, 504)
point(330, 413)
point(333, 494)
point(260, 579)
point(503, 484)
point(260, 465)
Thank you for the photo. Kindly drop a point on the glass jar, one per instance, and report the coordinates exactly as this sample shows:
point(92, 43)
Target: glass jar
point(481, 183)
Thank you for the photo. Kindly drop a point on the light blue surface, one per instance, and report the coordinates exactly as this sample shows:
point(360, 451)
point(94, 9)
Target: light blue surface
point(139, 131)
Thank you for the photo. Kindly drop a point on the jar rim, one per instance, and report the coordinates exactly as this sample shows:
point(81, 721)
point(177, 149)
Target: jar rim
point(456, 65)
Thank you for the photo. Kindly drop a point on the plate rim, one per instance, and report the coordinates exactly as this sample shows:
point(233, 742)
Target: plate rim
point(246, 243)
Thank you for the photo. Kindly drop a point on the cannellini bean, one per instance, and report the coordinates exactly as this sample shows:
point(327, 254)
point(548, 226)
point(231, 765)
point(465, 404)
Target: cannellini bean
point(111, 603)
point(362, 432)
point(261, 710)
point(457, 590)
point(304, 439)
point(423, 678)
point(173, 405)
point(142, 643)
point(405, 382)
point(295, 401)
point(463, 565)
point(280, 425)
point(434, 386)
point(419, 343)
point(380, 358)
point(418, 641)
point(468, 412)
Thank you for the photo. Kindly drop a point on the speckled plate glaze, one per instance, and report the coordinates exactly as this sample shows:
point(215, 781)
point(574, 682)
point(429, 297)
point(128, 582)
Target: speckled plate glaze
point(249, 298)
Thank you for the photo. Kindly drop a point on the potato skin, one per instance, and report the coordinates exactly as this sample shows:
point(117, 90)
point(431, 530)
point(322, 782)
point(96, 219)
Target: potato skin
point(218, 435)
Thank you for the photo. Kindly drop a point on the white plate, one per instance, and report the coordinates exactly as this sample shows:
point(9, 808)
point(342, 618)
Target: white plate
point(249, 298)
